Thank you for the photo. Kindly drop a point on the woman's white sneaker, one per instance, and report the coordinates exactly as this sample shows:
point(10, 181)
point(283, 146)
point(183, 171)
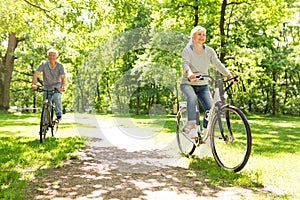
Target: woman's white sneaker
point(193, 133)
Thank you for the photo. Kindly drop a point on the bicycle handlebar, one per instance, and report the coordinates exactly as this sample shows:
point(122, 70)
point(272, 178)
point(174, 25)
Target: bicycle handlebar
point(40, 89)
point(235, 78)
point(202, 77)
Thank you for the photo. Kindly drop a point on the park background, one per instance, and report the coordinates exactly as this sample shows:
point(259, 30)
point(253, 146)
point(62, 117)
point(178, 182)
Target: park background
point(125, 56)
point(116, 48)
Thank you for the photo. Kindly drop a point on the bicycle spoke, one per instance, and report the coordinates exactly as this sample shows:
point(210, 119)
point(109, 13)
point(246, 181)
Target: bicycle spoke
point(54, 127)
point(185, 143)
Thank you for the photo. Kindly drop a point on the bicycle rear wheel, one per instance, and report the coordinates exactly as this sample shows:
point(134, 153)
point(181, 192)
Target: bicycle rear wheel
point(44, 124)
point(231, 138)
point(185, 144)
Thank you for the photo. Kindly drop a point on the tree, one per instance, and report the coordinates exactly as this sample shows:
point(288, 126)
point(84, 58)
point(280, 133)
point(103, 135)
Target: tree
point(6, 69)
point(17, 21)
point(103, 42)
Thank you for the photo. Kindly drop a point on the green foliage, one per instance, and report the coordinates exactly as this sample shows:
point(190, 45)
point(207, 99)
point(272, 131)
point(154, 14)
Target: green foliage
point(102, 42)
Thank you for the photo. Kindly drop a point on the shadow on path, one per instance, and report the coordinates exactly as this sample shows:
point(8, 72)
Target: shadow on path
point(111, 174)
point(106, 171)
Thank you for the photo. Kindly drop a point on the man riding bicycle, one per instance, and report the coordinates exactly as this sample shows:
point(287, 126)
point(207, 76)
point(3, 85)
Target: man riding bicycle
point(54, 77)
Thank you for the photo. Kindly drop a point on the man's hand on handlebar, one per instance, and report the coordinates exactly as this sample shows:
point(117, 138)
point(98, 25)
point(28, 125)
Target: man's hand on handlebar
point(39, 89)
point(60, 89)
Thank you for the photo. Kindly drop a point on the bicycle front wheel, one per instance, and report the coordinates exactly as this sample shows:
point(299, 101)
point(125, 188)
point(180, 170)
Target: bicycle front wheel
point(54, 127)
point(44, 124)
point(185, 143)
point(231, 138)
point(54, 123)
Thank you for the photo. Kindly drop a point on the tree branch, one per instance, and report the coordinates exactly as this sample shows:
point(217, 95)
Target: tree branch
point(24, 73)
point(40, 8)
point(45, 11)
point(236, 3)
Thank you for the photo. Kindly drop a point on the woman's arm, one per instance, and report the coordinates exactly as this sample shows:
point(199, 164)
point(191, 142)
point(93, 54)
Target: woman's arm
point(217, 63)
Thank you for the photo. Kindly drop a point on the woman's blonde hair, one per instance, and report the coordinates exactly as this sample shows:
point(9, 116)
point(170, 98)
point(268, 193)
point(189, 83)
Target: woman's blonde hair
point(193, 31)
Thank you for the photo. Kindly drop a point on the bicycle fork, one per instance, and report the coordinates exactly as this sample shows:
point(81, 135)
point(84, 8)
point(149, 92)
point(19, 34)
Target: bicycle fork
point(226, 138)
point(217, 107)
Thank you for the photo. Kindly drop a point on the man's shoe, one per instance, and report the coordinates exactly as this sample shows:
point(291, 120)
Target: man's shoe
point(58, 118)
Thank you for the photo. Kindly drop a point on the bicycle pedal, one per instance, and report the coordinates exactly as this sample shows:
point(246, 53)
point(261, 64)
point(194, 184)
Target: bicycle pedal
point(200, 141)
point(197, 140)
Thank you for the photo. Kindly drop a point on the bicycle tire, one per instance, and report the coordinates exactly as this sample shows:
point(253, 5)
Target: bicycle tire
point(54, 127)
point(185, 144)
point(54, 123)
point(44, 124)
point(231, 150)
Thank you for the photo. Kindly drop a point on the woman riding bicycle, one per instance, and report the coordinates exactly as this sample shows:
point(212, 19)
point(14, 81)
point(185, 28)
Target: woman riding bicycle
point(196, 60)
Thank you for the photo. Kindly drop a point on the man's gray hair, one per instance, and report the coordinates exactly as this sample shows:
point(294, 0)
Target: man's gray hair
point(52, 50)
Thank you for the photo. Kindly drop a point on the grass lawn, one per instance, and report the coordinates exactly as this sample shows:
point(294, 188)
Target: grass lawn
point(276, 152)
point(274, 162)
point(22, 155)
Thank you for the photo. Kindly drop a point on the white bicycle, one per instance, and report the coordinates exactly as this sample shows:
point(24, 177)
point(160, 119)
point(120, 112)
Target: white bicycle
point(228, 130)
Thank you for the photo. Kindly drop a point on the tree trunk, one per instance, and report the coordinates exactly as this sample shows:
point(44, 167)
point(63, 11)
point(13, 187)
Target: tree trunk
point(222, 29)
point(137, 106)
point(6, 69)
point(196, 15)
point(274, 94)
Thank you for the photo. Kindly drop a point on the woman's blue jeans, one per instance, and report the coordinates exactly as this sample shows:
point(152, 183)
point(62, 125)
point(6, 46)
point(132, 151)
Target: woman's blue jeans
point(56, 99)
point(193, 93)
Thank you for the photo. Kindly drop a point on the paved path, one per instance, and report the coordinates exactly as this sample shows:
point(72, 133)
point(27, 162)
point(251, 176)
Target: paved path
point(146, 146)
point(127, 162)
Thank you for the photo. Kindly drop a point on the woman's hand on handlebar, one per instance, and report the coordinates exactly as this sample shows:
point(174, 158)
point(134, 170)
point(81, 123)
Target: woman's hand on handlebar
point(192, 78)
point(234, 78)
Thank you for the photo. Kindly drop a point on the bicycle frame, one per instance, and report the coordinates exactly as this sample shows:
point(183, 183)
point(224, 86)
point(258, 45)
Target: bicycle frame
point(47, 114)
point(48, 103)
point(216, 105)
point(218, 102)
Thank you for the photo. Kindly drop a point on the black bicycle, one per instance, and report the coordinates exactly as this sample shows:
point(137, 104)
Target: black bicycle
point(228, 130)
point(47, 116)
